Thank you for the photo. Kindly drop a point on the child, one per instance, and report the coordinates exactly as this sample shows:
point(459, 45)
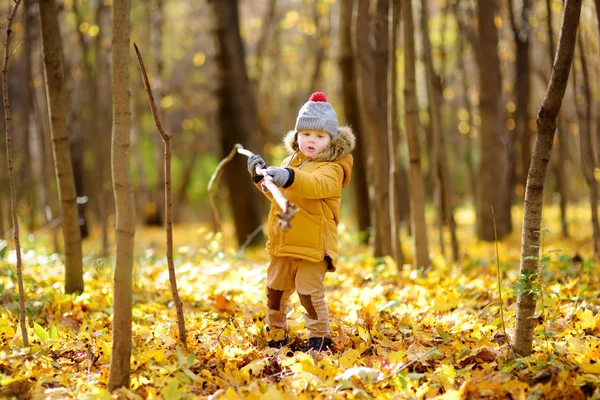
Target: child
point(312, 178)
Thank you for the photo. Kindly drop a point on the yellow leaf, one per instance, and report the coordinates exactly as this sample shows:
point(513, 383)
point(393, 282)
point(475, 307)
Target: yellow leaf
point(349, 357)
point(6, 330)
point(440, 302)
point(397, 356)
point(272, 394)
point(231, 394)
point(591, 368)
point(159, 355)
point(363, 333)
point(446, 376)
point(586, 319)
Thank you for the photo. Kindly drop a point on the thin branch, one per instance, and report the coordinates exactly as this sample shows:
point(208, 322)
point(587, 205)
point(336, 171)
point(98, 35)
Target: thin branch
point(166, 138)
point(213, 178)
point(16, 48)
point(164, 135)
point(288, 210)
point(11, 177)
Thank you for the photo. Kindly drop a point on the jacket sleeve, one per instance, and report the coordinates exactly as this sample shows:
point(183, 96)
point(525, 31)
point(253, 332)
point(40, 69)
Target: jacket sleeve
point(323, 183)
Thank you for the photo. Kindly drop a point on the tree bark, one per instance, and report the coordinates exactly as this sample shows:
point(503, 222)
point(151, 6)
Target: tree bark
point(417, 196)
point(11, 178)
point(393, 133)
point(588, 160)
point(125, 207)
point(237, 117)
point(347, 63)
point(522, 134)
point(372, 48)
point(57, 105)
point(493, 170)
point(546, 123)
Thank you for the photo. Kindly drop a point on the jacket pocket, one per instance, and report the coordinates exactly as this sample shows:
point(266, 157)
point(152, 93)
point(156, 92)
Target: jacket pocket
point(306, 231)
point(331, 244)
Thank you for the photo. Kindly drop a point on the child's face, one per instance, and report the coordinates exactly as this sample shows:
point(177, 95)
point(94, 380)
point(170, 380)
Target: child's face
point(312, 142)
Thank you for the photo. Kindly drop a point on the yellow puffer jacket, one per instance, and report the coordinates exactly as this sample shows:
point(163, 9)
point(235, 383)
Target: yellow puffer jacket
point(317, 192)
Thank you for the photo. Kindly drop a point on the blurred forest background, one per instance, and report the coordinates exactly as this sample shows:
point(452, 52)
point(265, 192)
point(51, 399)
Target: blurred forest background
point(225, 71)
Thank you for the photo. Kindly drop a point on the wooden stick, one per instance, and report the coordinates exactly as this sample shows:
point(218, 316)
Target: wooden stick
point(11, 177)
point(166, 137)
point(288, 210)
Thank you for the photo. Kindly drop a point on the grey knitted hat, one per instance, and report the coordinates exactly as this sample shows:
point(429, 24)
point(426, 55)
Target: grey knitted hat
point(317, 114)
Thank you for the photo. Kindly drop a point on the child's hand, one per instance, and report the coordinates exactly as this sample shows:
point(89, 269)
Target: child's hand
point(254, 161)
point(280, 176)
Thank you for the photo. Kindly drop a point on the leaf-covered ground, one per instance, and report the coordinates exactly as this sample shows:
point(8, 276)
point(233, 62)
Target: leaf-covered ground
point(408, 334)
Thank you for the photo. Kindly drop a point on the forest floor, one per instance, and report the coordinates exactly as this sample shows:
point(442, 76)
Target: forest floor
point(398, 333)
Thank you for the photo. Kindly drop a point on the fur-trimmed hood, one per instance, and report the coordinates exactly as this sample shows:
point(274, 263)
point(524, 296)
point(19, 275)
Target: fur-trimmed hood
point(338, 148)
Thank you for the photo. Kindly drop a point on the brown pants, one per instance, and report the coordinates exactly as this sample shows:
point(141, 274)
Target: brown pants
point(286, 275)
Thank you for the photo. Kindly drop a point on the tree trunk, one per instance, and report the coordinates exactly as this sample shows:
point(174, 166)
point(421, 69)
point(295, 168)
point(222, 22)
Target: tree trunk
point(372, 49)
point(237, 117)
point(439, 164)
point(563, 153)
point(322, 39)
point(588, 160)
point(393, 133)
point(522, 134)
point(546, 123)
point(417, 196)
point(347, 63)
point(265, 107)
point(57, 105)
point(28, 139)
point(493, 170)
point(125, 207)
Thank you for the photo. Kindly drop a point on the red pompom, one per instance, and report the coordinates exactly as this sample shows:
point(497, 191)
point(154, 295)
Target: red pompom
point(318, 96)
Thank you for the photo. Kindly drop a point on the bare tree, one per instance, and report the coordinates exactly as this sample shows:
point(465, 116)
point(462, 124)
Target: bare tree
point(439, 164)
point(125, 207)
point(58, 105)
point(523, 133)
point(371, 33)
point(393, 133)
point(493, 170)
point(347, 63)
point(546, 123)
point(588, 160)
point(417, 195)
point(237, 116)
point(11, 177)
